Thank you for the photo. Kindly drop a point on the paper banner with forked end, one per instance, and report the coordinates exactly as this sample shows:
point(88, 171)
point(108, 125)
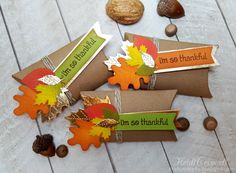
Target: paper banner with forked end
point(192, 79)
point(93, 64)
point(129, 102)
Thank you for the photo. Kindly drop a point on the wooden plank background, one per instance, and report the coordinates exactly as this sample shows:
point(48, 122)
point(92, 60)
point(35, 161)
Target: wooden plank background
point(32, 29)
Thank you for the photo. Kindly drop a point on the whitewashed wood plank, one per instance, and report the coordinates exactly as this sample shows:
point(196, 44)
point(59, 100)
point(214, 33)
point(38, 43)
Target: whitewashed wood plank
point(17, 133)
point(37, 30)
point(126, 156)
point(192, 144)
point(81, 15)
point(228, 9)
point(207, 26)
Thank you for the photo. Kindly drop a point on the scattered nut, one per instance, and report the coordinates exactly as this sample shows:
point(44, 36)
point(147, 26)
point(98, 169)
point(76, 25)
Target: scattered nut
point(171, 30)
point(44, 145)
point(62, 151)
point(170, 8)
point(182, 124)
point(125, 11)
point(210, 123)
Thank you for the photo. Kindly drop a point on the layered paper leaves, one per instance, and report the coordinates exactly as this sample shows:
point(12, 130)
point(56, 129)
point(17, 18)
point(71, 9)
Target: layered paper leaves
point(82, 136)
point(137, 64)
point(126, 75)
point(93, 123)
point(97, 130)
point(48, 94)
point(40, 93)
point(27, 105)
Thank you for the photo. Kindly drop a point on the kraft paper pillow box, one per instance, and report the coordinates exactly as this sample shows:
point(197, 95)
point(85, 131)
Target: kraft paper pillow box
point(192, 82)
point(139, 101)
point(84, 81)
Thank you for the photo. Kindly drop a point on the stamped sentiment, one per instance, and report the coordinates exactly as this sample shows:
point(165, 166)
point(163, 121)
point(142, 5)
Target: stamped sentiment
point(82, 54)
point(147, 121)
point(184, 59)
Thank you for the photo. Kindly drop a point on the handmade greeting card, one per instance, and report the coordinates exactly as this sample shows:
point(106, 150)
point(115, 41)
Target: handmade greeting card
point(151, 63)
point(123, 116)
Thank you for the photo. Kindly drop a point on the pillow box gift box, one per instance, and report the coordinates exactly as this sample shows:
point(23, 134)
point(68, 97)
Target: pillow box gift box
point(85, 81)
point(138, 101)
point(187, 82)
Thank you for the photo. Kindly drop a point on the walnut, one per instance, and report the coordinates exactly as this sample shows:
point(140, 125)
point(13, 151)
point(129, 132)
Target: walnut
point(125, 11)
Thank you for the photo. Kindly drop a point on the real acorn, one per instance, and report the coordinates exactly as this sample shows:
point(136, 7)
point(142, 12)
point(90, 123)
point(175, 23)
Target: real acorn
point(170, 8)
point(62, 151)
point(44, 145)
point(210, 123)
point(182, 124)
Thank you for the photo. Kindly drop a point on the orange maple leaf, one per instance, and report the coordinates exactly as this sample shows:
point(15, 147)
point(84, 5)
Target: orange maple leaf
point(26, 103)
point(126, 75)
point(82, 136)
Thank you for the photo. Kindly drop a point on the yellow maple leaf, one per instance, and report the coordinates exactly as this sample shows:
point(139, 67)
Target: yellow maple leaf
point(136, 57)
point(143, 48)
point(47, 94)
point(98, 130)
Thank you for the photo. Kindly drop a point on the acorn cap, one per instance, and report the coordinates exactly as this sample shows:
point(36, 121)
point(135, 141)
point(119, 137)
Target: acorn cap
point(44, 145)
point(170, 8)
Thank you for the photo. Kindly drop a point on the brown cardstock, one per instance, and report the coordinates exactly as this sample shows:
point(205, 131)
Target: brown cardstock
point(86, 81)
point(140, 101)
point(187, 82)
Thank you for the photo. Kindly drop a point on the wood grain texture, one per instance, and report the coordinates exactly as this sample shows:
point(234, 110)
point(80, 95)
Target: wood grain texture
point(17, 133)
point(228, 11)
point(195, 143)
point(37, 29)
point(209, 27)
point(124, 155)
point(35, 35)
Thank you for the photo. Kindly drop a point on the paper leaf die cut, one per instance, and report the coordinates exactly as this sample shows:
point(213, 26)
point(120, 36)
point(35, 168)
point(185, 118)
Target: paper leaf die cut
point(97, 130)
point(26, 103)
point(82, 135)
point(48, 94)
point(31, 80)
point(89, 101)
point(50, 80)
point(126, 75)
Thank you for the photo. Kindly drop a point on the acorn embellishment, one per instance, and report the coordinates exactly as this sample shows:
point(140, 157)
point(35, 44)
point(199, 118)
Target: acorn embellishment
point(170, 8)
point(44, 145)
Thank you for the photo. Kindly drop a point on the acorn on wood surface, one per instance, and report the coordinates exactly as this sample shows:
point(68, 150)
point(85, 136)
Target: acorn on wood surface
point(170, 8)
point(210, 123)
point(171, 30)
point(62, 151)
point(125, 11)
point(44, 145)
point(182, 124)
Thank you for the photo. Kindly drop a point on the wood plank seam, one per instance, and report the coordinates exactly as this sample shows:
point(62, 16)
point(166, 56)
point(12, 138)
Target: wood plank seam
point(163, 148)
point(110, 157)
point(69, 37)
point(19, 67)
point(63, 20)
point(205, 107)
point(217, 137)
point(168, 160)
point(225, 21)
